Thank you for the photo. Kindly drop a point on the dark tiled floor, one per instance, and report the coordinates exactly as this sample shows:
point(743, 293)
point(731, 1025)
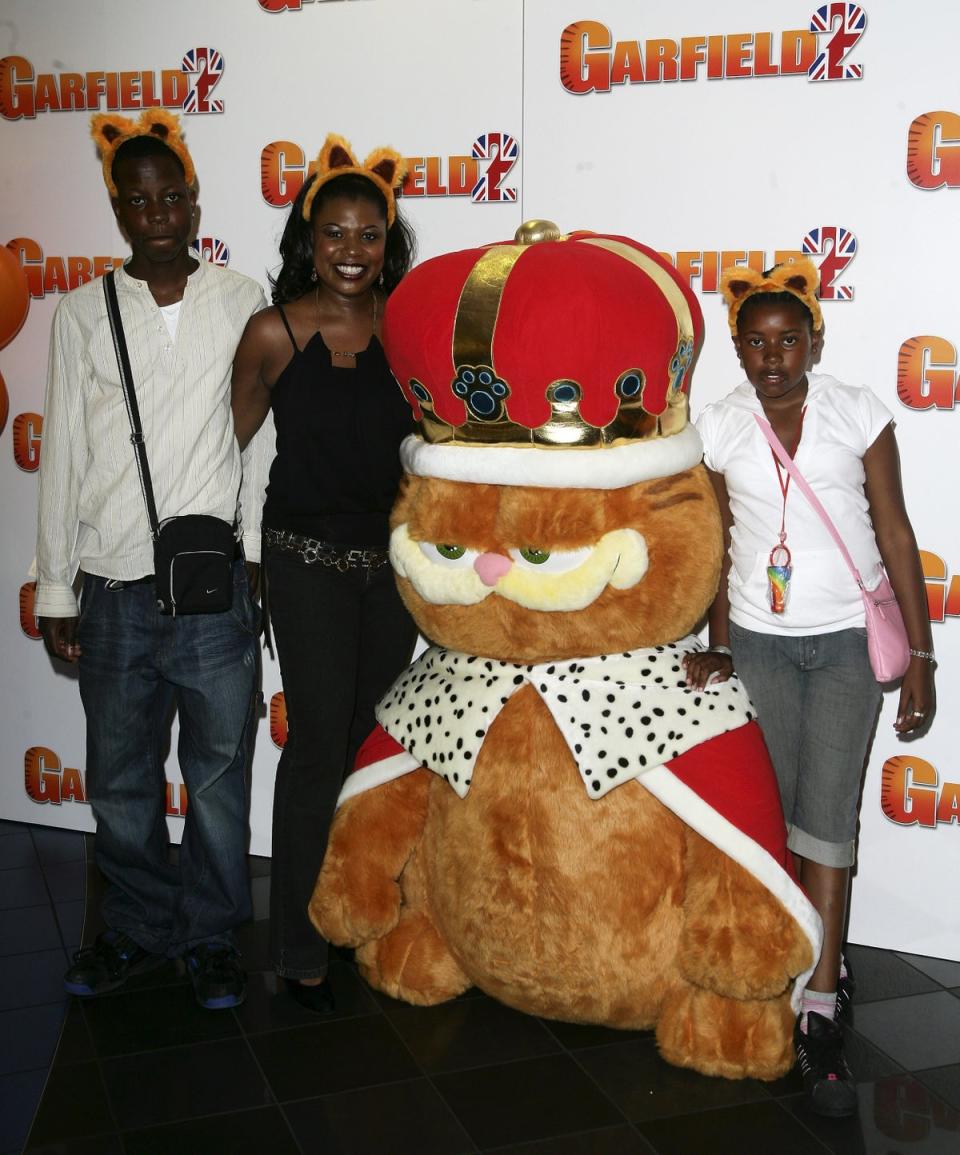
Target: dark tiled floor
point(42, 885)
point(145, 1071)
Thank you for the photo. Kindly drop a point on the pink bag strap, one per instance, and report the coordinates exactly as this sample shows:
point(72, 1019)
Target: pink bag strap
point(790, 466)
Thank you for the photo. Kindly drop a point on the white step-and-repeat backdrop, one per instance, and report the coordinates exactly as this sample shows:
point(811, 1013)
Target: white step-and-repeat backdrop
point(716, 133)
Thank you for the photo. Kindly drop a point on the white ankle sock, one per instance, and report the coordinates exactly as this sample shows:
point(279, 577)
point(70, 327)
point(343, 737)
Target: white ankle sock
point(820, 1002)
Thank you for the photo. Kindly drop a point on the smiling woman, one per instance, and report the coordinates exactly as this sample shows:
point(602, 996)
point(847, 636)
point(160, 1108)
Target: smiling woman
point(315, 360)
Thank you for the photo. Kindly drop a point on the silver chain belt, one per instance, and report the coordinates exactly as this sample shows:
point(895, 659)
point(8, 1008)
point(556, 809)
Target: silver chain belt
point(338, 557)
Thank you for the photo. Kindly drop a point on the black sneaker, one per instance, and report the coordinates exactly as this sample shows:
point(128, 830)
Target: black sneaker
point(218, 979)
point(827, 1082)
point(846, 989)
point(113, 958)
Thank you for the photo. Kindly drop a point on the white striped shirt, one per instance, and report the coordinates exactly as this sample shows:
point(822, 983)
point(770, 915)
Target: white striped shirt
point(92, 511)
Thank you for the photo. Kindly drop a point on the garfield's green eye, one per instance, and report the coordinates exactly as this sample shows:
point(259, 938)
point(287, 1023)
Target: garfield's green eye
point(535, 556)
point(450, 552)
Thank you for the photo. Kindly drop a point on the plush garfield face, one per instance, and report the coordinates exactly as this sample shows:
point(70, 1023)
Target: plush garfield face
point(534, 575)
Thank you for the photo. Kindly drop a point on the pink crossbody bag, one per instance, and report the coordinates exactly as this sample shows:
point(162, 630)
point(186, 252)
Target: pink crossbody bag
point(887, 642)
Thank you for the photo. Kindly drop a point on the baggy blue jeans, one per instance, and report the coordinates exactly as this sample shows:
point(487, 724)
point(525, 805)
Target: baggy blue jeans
point(135, 665)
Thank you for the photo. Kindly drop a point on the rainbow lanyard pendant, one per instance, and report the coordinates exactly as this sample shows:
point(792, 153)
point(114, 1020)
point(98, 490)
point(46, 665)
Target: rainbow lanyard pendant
point(779, 572)
point(779, 567)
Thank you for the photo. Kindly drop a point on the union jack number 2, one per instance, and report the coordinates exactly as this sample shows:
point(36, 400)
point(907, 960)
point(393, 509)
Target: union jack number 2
point(501, 152)
point(837, 246)
point(206, 64)
point(847, 22)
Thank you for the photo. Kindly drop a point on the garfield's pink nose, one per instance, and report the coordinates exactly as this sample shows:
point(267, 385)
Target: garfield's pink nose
point(491, 567)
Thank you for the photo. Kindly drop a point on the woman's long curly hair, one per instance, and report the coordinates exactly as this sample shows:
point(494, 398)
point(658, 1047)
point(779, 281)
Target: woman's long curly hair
point(296, 244)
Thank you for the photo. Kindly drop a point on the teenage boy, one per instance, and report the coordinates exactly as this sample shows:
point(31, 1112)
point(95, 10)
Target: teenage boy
point(182, 319)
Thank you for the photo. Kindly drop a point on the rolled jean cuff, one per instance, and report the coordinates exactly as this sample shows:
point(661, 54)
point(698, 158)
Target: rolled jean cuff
point(835, 854)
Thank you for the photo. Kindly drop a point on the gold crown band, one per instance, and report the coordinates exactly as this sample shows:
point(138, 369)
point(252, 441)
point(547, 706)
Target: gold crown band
point(479, 305)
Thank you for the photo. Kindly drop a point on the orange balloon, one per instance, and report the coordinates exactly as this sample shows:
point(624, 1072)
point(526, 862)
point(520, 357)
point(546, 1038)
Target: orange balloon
point(4, 404)
point(14, 296)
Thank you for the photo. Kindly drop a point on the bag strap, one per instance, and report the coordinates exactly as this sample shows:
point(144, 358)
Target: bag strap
point(130, 398)
point(790, 466)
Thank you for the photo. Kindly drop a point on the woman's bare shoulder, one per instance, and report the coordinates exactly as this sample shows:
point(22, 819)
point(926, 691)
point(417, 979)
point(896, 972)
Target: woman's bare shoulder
point(265, 324)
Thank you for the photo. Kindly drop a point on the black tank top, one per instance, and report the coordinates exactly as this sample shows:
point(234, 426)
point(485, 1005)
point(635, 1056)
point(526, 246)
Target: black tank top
point(337, 467)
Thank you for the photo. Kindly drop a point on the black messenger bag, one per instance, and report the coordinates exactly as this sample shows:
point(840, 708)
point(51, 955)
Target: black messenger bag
point(192, 555)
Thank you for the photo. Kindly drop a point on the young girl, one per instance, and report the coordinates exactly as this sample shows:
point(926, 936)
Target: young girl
point(800, 645)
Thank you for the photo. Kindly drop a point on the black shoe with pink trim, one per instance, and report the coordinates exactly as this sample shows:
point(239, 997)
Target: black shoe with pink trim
point(846, 988)
point(827, 1082)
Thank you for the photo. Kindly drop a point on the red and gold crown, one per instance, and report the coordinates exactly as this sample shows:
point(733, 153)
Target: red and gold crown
point(110, 131)
point(560, 361)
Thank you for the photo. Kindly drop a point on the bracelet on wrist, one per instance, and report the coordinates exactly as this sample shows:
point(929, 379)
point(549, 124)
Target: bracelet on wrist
point(927, 655)
point(727, 651)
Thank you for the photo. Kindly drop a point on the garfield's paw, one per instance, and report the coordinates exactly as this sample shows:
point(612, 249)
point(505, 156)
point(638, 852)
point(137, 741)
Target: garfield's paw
point(358, 895)
point(731, 1038)
point(737, 940)
point(349, 910)
point(412, 963)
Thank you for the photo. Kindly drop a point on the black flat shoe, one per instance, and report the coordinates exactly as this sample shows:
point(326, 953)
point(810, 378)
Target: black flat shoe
point(318, 998)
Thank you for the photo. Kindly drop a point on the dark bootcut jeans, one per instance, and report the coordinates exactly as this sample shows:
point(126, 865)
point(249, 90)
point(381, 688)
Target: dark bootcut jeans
point(135, 663)
point(342, 639)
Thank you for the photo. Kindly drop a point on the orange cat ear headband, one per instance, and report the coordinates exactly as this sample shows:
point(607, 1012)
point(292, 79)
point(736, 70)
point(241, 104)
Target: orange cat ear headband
point(384, 167)
point(110, 131)
point(800, 279)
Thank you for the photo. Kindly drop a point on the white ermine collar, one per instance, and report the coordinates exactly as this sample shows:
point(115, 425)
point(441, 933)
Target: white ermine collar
point(620, 714)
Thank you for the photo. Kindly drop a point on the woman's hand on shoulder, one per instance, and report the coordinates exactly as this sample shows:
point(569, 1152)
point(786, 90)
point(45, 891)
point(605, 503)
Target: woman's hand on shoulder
point(703, 666)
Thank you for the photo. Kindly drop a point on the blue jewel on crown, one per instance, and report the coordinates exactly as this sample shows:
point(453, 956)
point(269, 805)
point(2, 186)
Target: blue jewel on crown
point(630, 384)
point(422, 394)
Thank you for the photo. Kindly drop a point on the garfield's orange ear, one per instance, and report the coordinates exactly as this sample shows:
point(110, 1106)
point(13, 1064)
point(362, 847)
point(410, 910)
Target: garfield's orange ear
point(738, 288)
point(109, 131)
point(385, 170)
point(801, 276)
point(388, 165)
point(797, 284)
point(339, 158)
point(107, 128)
point(336, 153)
point(737, 282)
point(383, 167)
point(161, 124)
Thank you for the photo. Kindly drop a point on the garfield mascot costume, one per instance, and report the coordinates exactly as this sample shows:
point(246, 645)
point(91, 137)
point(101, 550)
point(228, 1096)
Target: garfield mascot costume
point(547, 810)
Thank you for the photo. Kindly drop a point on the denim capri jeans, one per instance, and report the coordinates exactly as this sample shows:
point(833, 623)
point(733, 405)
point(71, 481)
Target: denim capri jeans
point(817, 703)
